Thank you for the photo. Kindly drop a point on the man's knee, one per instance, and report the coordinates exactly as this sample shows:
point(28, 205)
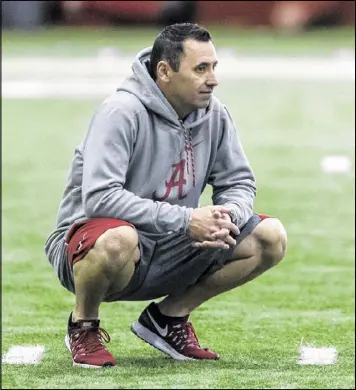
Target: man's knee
point(117, 246)
point(272, 238)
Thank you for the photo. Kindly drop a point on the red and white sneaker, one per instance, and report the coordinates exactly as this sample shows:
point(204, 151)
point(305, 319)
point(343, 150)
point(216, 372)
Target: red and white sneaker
point(179, 340)
point(84, 339)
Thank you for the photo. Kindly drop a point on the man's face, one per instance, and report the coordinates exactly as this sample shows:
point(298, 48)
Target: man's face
point(191, 87)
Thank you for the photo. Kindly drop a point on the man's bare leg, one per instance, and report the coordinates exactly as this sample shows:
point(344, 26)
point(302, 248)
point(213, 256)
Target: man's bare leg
point(109, 265)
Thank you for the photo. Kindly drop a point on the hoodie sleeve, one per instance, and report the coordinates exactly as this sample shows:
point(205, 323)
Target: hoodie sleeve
point(231, 177)
point(106, 155)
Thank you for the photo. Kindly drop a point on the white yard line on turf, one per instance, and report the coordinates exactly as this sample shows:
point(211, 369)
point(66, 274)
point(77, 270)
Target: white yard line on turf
point(35, 89)
point(98, 76)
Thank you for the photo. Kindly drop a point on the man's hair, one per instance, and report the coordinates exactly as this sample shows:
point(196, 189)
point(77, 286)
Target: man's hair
point(168, 45)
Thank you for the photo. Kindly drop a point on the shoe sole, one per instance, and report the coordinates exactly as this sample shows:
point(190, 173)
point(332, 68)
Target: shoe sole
point(157, 342)
point(66, 342)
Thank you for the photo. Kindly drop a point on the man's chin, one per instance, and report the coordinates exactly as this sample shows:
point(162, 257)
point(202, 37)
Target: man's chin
point(203, 103)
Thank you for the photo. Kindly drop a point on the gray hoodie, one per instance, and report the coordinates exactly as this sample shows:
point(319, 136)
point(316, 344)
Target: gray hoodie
point(140, 163)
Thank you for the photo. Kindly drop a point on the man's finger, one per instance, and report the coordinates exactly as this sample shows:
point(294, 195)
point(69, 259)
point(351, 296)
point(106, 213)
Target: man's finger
point(217, 214)
point(221, 234)
point(211, 244)
point(224, 237)
point(222, 209)
point(229, 225)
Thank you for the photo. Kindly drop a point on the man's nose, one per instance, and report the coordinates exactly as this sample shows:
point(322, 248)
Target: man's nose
point(212, 80)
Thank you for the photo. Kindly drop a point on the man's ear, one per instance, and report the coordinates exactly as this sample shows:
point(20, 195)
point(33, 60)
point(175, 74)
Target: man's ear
point(164, 71)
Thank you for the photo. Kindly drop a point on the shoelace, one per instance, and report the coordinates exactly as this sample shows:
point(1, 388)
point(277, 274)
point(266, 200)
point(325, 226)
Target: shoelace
point(88, 340)
point(184, 336)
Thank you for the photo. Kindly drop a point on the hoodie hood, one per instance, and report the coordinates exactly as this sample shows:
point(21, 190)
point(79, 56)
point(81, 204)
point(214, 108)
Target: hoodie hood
point(142, 85)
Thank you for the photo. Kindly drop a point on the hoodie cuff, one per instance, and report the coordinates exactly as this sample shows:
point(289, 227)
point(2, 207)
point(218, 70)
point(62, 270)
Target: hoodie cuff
point(187, 219)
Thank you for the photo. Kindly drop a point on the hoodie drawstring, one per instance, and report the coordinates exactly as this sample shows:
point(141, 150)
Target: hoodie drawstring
point(188, 147)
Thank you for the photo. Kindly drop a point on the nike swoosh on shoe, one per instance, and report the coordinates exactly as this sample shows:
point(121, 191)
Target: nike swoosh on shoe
point(162, 331)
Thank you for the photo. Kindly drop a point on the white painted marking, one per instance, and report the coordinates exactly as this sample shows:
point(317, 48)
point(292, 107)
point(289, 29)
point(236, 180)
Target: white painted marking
point(310, 355)
point(336, 164)
point(330, 68)
point(91, 77)
point(24, 354)
point(317, 356)
point(63, 88)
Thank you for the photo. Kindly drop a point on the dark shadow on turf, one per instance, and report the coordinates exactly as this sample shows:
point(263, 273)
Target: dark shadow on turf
point(152, 363)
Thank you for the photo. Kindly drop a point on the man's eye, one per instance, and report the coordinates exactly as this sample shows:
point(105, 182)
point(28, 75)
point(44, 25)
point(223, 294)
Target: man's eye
point(200, 69)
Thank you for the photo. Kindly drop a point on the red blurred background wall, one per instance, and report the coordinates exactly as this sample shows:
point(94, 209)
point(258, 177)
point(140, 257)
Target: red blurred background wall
point(244, 13)
point(262, 13)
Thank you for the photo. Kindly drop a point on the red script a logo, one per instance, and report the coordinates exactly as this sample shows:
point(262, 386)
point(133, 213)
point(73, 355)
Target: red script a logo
point(178, 171)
